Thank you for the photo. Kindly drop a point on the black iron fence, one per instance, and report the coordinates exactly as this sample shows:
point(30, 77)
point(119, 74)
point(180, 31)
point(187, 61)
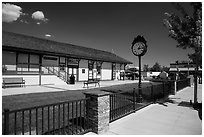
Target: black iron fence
point(70, 117)
point(59, 118)
point(121, 104)
point(124, 103)
point(180, 84)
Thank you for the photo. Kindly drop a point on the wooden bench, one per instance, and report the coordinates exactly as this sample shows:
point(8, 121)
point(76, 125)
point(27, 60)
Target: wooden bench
point(13, 81)
point(91, 81)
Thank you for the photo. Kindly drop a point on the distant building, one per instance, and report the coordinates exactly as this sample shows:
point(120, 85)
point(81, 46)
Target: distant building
point(30, 56)
point(131, 66)
point(150, 74)
point(185, 67)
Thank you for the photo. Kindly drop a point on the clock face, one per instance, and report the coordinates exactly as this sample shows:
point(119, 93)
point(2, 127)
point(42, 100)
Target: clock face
point(138, 48)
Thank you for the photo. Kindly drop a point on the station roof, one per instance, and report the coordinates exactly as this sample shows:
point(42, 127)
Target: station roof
point(24, 43)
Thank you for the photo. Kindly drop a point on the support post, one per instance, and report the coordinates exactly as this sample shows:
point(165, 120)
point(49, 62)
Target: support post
point(152, 93)
point(139, 84)
point(40, 70)
point(175, 87)
point(163, 86)
point(98, 110)
point(6, 122)
point(17, 62)
point(134, 99)
point(195, 86)
point(124, 72)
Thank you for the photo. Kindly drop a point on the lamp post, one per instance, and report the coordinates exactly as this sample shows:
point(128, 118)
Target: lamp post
point(188, 67)
point(177, 73)
point(139, 48)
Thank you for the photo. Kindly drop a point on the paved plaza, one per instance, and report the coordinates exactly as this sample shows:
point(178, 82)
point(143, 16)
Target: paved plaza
point(173, 117)
point(170, 117)
point(60, 87)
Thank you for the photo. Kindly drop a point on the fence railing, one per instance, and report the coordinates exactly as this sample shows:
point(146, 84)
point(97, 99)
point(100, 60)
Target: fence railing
point(57, 73)
point(123, 103)
point(60, 118)
point(70, 117)
point(180, 84)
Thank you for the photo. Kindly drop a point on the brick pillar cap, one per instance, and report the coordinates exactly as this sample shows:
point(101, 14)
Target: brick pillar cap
point(97, 93)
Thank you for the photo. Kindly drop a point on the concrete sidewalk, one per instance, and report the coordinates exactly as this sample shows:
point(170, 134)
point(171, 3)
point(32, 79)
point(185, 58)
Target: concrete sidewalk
point(58, 88)
point(173, 117)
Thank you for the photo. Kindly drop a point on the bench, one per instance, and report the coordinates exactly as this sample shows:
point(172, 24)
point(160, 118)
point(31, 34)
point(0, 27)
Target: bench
point(91, 81)
point(13, 81)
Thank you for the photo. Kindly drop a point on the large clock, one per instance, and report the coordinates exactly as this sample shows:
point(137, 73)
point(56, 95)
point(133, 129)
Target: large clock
point(139, 47)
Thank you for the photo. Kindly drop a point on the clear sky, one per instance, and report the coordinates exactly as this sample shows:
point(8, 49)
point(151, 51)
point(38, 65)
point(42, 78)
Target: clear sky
point(106, 26)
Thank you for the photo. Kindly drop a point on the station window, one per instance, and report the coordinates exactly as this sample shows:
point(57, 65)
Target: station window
point(27, 63)
point(98, 67)
point(83, 71)
point(91, 65)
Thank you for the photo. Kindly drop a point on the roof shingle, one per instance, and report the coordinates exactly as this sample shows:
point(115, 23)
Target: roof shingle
point(13, 40)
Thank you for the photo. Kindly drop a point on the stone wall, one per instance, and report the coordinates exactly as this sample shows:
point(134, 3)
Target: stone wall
point(98, 111)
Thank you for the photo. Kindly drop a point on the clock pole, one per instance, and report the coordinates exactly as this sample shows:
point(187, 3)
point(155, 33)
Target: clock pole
point(139, 84)
point(139, 48)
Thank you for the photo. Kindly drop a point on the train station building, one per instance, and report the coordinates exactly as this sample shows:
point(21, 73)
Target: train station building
point(35, 58)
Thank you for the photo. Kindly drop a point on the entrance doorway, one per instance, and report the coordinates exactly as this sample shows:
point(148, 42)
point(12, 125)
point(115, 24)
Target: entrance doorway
point(73, 67)
point(73, 71)
point(91, 67)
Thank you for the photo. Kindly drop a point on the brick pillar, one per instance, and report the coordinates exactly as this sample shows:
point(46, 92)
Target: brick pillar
point(98, 110)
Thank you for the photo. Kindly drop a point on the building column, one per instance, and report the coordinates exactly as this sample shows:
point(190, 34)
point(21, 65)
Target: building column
point(124, 72)
point(120, 71)
point(98, 111)
point(40, 69)
point(17, 62)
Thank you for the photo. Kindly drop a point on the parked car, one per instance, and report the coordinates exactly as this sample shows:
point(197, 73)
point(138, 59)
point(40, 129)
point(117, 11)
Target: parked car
point(129, 74)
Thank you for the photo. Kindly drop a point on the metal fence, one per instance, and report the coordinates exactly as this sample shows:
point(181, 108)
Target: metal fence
point(124, 103)
point(70, 117)
point(121, 104)
point(60, 118)
point(180, 84)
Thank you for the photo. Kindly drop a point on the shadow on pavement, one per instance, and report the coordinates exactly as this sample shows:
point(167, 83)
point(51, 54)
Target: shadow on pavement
point(198, 107)
point(185, 104)
point(53, 87)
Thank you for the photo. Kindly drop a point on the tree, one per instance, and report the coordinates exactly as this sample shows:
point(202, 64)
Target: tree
point(146, 68)
point(156, 67)
point(165, 68)
point(187, 31)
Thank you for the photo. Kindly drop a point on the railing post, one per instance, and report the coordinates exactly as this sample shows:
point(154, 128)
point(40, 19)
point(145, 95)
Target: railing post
point(6, 122)
point(163, 89)
point(58, 71)
point(134, 99)
point(152, 93)
point(189, 82)
point(175, 87)
point(98, 110)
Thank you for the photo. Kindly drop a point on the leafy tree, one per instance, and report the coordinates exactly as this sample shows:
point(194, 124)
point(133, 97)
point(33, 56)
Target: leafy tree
point(146, 68)
point(156, 67)
point(187, 31)
point(165, 68)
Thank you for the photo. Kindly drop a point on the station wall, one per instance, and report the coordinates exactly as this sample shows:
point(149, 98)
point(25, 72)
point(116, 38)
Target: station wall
point(106, 71)
point(29, 64)
point(83, 70)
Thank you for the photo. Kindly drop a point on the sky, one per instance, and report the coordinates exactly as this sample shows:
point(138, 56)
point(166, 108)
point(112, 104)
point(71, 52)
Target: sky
point(110, 26)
